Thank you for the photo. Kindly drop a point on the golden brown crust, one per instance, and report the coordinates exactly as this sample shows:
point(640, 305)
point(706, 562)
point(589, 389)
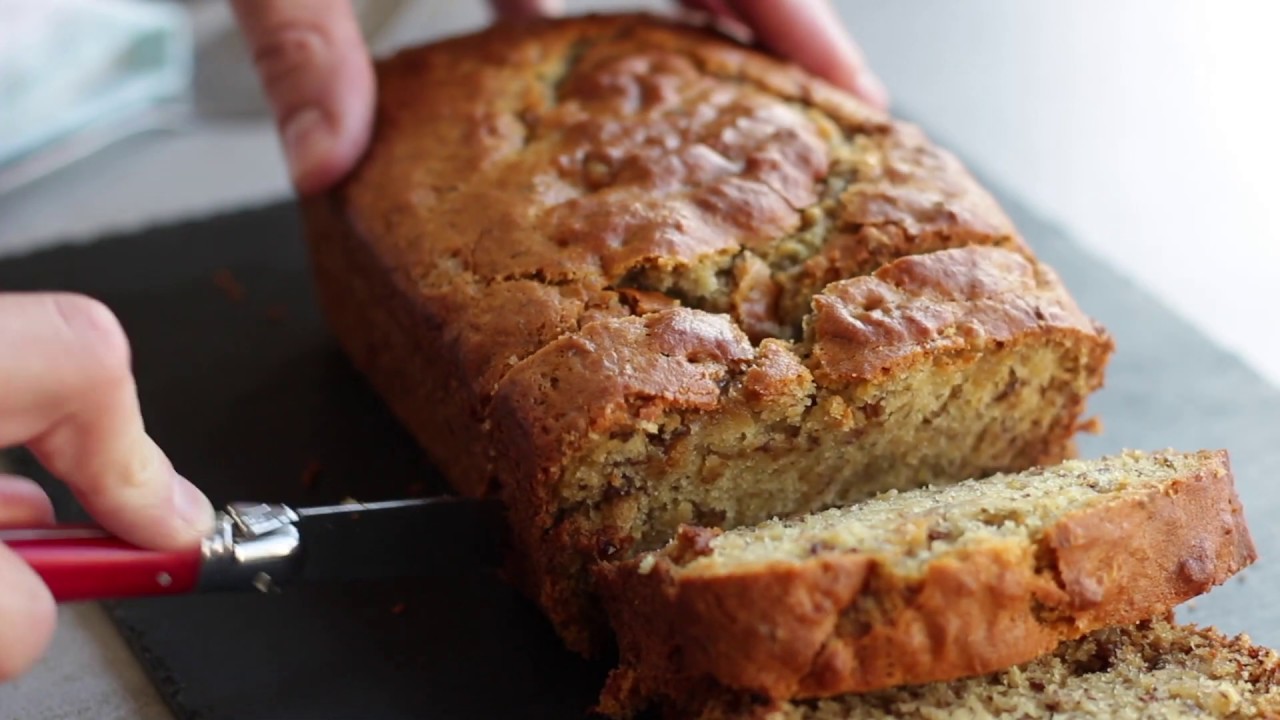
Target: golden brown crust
point(434, 356)
point(866, 328)
point(536, 191)
point(847, 623)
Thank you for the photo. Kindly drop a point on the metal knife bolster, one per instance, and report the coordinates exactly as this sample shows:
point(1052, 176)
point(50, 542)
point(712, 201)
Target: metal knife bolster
point(253, 545)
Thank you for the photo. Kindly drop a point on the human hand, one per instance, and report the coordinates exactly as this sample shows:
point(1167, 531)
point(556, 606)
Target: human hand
point(318, 75)
point(67, 393)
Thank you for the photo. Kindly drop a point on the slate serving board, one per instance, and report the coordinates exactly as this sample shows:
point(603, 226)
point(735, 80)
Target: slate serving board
point(244, 388)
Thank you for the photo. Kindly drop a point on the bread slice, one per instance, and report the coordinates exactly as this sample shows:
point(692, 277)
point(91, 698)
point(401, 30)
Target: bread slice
point(600, 267)
point(931, 584)
point(1154, 669)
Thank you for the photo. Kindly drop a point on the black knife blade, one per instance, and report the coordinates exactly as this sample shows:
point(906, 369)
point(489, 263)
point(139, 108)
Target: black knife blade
point(362, 541)
point(268, 546)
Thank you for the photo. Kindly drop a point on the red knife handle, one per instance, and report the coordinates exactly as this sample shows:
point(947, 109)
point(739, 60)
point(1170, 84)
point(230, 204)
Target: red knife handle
point(84, 563)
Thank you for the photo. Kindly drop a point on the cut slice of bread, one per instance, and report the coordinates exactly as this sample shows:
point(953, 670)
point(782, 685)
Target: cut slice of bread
point(1151, 670)
point(926, 585)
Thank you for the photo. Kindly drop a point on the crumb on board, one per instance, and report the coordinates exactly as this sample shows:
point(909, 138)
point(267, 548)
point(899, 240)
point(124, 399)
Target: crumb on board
point(311, 475)
point(277, 313)
point(350, 501)
point(1091, 426)
point(229, 285)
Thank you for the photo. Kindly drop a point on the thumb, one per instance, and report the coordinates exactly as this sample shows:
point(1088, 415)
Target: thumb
point(26, 607)
point(810, 33)
point(27, 616)
point(318, 77)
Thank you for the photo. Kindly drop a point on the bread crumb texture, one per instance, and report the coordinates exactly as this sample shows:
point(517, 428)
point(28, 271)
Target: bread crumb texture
point(916, 527)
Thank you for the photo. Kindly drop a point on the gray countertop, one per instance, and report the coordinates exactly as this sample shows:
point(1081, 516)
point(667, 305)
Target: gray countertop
point(1148, 135)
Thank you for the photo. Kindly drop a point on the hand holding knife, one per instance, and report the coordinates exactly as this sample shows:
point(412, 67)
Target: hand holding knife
point(260, 546)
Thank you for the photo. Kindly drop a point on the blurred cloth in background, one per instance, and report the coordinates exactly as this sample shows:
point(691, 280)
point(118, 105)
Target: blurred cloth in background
point(76, 75)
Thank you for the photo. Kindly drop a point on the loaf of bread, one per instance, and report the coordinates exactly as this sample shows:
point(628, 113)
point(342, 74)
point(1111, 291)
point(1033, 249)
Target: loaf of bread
point(1153, 670)
point(627, 275)
point(925, 585)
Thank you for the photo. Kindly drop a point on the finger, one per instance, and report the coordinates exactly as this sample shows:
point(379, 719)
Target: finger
point(67, 392)
point(810, 33)
point(318, 76)
point(524, 9)
point(23, 503)
point(719, 8)
point(27, 616)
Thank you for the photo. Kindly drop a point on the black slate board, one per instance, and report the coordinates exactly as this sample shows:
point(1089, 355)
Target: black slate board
point(244, 401)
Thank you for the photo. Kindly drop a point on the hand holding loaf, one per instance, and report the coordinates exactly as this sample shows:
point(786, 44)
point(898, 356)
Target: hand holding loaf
point(319, 78)
point(628, 275)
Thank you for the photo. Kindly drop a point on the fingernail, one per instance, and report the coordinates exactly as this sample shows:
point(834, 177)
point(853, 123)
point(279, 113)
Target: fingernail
point(306, 137)
point(193, 507)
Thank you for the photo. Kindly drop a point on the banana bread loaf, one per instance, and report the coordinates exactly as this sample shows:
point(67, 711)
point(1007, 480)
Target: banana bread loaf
point(1154, 670)
point(926, 585)
point(616, 271)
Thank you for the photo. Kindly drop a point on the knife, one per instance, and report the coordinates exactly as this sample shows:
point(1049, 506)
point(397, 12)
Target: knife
point(267, 547)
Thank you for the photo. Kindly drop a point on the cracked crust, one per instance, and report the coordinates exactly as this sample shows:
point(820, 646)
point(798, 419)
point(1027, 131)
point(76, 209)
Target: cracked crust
point(612, 154)
point(549, 188)
point(832, 620)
